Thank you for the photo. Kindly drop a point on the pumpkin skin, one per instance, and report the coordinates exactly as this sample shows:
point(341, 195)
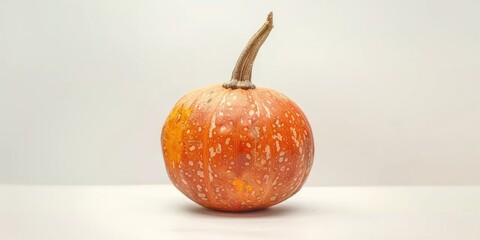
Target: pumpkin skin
point(237, 149)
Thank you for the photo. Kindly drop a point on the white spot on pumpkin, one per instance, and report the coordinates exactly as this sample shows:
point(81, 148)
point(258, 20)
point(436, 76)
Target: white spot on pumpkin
point(273, 198)
point(200, 174)
point(223, 128)
point(277, 123)
point(251, 112)
point(256, 131)
point(227, 141)
point(248, 156)
point(249, 145)
point(212, 152)
point(278, 136)
point(202, 195)
point(224, 98)
point(257, 112)
point(267, 151)
point(210, 175)
point(190, 163)
point(267, 110)
point(282, 153)
point(212, 126)
point(293, 131)
point(294, 136)
point(277, 145)
point(275, 181)
point(191, 148)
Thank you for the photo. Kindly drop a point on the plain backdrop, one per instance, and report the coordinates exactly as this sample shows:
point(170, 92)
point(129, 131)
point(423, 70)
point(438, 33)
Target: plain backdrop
point(391, 88)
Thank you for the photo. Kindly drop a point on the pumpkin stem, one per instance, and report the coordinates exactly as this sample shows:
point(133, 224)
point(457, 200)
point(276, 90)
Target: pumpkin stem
point(242, 73)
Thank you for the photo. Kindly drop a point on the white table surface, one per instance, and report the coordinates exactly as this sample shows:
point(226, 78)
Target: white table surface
point(160, 212)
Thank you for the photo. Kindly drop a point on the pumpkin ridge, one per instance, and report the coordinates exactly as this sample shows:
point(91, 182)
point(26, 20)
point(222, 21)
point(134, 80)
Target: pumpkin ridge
point(173, 174)
point(268, 184)
point(308, 164)
point(205, 160)
point(192, 107)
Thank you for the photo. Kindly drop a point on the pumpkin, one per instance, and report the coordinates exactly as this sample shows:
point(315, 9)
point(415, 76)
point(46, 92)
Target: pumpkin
point(235, 147)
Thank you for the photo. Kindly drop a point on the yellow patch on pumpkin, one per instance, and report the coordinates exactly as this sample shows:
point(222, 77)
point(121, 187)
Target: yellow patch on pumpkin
point(173, 142)
point(242, 186)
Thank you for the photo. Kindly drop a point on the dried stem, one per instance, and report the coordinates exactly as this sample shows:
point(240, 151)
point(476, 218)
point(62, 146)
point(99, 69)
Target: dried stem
point(242, 73)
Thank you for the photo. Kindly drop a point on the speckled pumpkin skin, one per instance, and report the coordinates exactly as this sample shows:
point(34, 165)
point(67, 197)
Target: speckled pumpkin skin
point(237, 150)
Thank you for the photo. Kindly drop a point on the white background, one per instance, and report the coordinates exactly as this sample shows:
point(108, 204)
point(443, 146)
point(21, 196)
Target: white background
point(153, 212)
point(391, 88)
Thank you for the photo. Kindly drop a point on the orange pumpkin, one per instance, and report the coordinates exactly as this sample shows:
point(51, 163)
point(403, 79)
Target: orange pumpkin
point(235, 147)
